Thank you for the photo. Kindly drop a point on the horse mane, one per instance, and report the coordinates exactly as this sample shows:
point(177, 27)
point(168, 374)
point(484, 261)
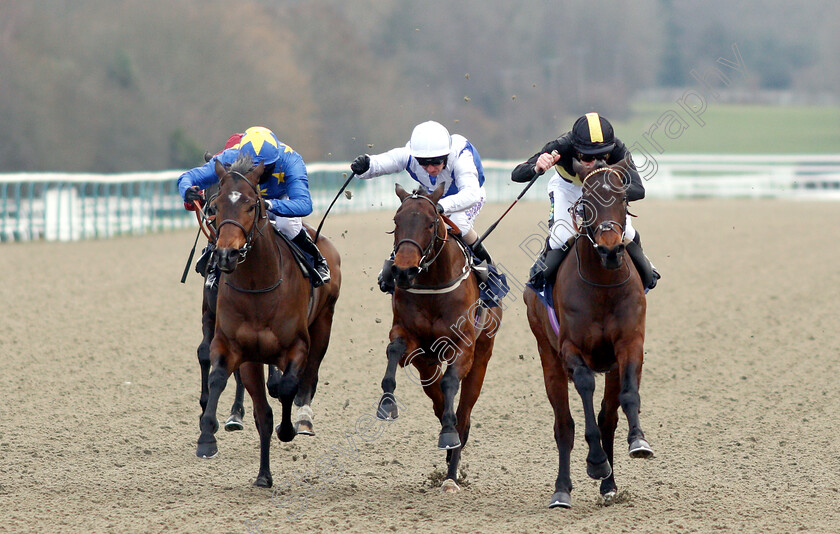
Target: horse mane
point(242, 165)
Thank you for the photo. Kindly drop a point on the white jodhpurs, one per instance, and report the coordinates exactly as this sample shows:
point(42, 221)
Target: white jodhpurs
point(288, 226)
point(465, 219)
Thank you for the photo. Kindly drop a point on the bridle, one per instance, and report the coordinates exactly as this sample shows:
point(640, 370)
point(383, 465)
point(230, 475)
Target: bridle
point(259, 213)
point(584, 228)
point(426, 251)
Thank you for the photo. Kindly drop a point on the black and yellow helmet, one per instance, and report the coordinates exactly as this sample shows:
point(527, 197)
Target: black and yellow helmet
point(593, 135)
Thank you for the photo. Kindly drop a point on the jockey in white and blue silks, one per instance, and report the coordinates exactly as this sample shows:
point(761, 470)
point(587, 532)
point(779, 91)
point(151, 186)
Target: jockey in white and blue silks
point(432, 157)
point(283, 186)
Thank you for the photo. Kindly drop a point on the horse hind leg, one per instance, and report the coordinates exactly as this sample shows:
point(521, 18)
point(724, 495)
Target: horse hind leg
point(607, 422)
point(208, 326)
point(237, 410)
point(319, 334)
point(287, 388)
point(470, 390)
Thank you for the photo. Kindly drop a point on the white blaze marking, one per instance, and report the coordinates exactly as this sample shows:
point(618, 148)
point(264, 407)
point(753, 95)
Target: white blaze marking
point(234, 197)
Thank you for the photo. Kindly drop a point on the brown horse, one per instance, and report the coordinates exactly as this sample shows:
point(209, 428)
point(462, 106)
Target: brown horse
point(208, 328)
point(435, 322)
point(599, 326)
point(267, 313)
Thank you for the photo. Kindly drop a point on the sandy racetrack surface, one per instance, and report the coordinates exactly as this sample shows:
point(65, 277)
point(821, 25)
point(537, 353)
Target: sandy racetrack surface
point(740, 397)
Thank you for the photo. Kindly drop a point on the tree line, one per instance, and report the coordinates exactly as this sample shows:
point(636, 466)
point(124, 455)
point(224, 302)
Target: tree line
point(87, 86)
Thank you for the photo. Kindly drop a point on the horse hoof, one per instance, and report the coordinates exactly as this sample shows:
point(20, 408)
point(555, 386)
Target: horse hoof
point(609, 498)
point(264, 481)
point(450, 486)
point(640, 449)
point(207, 450)
point(234, 422)
point(560, 499)
point(600, 471)
point(448, 440)
point(304, 428)
point(387, 410)
point(285, 432)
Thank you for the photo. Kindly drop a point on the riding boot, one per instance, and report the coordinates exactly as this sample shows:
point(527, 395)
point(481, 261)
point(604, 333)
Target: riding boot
point(201, 264)
point(481, 253)
point(545, 268)
point(385, 279)
point(647, 271)
point(322, 270)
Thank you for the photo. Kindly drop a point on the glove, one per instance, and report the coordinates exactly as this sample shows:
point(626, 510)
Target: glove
point(190, 195)
point(439, 208)
point(267, 204)
point(361, 164)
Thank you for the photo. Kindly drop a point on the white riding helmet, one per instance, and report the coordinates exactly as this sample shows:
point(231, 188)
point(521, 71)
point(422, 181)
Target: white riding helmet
point(430, 140)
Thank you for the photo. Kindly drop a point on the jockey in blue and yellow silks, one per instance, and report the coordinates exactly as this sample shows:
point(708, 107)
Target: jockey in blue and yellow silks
point(283, 185)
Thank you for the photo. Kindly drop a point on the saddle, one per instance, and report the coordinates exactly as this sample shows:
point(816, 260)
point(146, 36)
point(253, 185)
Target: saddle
point(304, 261)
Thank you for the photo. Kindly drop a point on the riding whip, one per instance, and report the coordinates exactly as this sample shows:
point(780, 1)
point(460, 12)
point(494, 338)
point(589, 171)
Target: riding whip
point(189, 260)
point(537, 174)
point(343, 187)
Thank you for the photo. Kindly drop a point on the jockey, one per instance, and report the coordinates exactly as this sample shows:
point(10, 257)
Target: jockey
point(283, 186)
point(590, 139)
point(432, 157)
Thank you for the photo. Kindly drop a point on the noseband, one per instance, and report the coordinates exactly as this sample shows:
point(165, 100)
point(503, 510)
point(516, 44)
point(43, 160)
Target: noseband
point(249, 234)
point(428, 249)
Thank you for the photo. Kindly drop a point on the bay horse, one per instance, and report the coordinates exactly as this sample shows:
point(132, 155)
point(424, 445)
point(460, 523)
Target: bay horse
point(435, 323)
point(208, 328)
point(597, 325)
point(266, 313)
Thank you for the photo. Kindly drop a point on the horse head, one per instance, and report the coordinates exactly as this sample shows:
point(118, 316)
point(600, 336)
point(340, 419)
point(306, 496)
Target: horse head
point(601, 212)
point(418, 228)
point(239, 208)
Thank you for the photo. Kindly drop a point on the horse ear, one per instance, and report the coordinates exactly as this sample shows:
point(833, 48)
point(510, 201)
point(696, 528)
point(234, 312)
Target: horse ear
point(256, 173)
point(437, 193)
point(621, 165)
point(577, 167)
point(220, 169)
point(402, 193)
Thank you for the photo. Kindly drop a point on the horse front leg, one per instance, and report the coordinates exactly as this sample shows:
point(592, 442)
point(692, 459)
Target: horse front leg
point(597, 464)
point(217, 380)
point(607, 422)
point(557, 389)
point(398, 347)
point(253, 377)
point(449, 384)
point(630, 367)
